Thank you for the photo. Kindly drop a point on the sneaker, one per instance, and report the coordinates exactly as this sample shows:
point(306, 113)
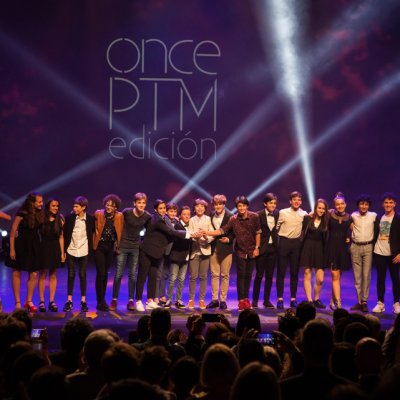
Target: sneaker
point(191, 304)
point(293, 303)
point(280, 305)
point(139, 306)
point(223, 305)
point(380, 307)
point(356, 307)
point(152, 305)
point(179, 305)
point(396, 308)
point(254, 304)
point(113, 305)
point(242, 305)
point(84, 307)
point(202, 305)
point(213, 304)
point(68, 306)
point(248, 305)
point(268, 304)
point(318, 304)
point(130, 306)
point(102, 306)
point(168, 304)
point(364, 307)
point(162, 303)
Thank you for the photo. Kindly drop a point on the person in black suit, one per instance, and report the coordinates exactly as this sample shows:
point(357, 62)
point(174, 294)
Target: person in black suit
point(179, 258)
point(158, 236)
point(221, 253)
point(268, 250)
point(387, 251)
point(78, 233)
point(316, 381)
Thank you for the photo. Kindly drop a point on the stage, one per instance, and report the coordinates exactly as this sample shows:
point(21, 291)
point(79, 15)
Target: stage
point(122, 321)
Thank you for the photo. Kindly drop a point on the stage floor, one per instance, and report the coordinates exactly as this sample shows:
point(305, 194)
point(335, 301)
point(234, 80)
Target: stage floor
point(122, 321)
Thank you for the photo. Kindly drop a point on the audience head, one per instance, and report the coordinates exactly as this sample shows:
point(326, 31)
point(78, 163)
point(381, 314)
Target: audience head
point(343, 363)
point(160, 322)
point(219, 367)
point(74, 333)
point(347, 392)
point(249, 319)
point(11, 332)
point(289, 325)
point(273, 360)
point(317, 343)
point(369, 357)
point(389, 386)
point(173, 336)
point(124, 389)
point(374, 325)
point(191, 318)
point(121, 361)
point(22, 315)
point(154, 364)
point(305, 312)
point(96, 344)
point(256, 379)
point(343, 322)
point(355, 332)
point(213, 332)
point(338, 314)
point(48, 383)
point(250, 350)
point(183, 376)
point(143, 328)
point(229, 339)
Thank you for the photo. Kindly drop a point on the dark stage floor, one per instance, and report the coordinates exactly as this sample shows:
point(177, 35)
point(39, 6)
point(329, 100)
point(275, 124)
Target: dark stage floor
point(122, 320)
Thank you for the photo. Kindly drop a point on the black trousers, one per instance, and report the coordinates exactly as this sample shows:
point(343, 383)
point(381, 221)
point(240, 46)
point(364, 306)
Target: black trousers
point(382, 264)
point(102, 258)
point(244, 268)
point(148, 266)
point(289, 251)
point(264, 263)
point(71, 263)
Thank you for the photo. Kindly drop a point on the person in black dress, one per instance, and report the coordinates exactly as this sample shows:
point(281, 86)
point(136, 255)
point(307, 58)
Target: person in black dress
point(25, 254)
point(52, 249)
point(312, 253)
point(337, 256)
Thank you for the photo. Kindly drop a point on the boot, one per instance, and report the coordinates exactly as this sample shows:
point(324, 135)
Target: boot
point(332, 305)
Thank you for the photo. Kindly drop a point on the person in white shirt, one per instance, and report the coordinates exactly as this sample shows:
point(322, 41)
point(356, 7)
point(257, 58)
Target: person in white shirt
point(200, 252)
point(361, 250)
point(290, 225)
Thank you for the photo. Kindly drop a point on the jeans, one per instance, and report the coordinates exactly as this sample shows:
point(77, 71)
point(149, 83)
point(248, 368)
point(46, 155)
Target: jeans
point(132, 255)
point(102, 258)
point(382, 264)
point(198, 266)
point(244, 267)
point(289, 250)
point(71, 263)
point(361, 257)
point(177, 272)
point(264, 263)
point(162, 276)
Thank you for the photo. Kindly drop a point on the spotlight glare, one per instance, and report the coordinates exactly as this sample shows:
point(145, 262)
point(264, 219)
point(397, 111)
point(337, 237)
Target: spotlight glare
point(4, 233)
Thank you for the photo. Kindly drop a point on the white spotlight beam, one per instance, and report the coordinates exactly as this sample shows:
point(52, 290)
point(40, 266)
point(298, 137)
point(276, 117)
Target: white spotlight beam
point(387, 85)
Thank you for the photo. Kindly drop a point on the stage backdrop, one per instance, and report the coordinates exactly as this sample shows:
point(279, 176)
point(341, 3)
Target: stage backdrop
point(185, 99)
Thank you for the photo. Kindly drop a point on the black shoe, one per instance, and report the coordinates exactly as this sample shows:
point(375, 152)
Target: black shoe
point(42, 306)
point(101, 306)
point(213, 304)
point(254, 304)
point(84, 307)
point(179, 305)
point(168, 304)
point(293, 303)
point(53, 307)
point(318, 304)
point(268, 304)
point(68, 306)
point(356, 307)
point(223, 305)
point(280, 305)
point(162, 303)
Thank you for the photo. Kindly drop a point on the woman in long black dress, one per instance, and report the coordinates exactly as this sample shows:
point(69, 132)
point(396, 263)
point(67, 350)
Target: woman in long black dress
point(52, 249)
point(25, 249)
point(312, 253)
point(337, 256)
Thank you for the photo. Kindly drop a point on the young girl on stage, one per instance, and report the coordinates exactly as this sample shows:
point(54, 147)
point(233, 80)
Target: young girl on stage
point(25, 254)
point(312, 253)
point(52, 249)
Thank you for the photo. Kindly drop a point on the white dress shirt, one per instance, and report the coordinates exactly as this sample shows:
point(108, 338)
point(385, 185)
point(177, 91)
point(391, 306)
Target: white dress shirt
point(290, 223)
point(363, 229)
point(217, 220)
point(79, 241)
point(270, 222)
point(201, 246)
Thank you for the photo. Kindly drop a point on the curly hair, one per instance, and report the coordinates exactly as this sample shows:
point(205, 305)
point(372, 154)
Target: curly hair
point(363, 198)
point(199, 202)
point(31, 212)
point(115, 200)
point(58, 224)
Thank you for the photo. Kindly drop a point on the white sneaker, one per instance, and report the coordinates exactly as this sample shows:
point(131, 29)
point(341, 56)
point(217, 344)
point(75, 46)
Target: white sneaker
point(380, 307)
point(152, 305)
point(139, 306)
point(396, 308)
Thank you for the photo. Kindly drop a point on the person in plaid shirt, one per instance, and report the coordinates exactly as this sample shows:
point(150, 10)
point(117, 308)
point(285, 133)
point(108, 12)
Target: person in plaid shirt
point(245, 226)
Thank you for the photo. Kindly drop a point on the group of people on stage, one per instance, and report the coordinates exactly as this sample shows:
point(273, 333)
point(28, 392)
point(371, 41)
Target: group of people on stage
point(176, 241)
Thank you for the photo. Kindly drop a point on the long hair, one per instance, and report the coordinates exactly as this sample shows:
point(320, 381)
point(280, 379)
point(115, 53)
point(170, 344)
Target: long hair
point(324, 218)
point(47, 214)
point(31, 212)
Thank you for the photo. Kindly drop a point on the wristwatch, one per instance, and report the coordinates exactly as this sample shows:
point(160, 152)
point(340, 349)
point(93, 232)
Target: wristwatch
point(257, 247)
